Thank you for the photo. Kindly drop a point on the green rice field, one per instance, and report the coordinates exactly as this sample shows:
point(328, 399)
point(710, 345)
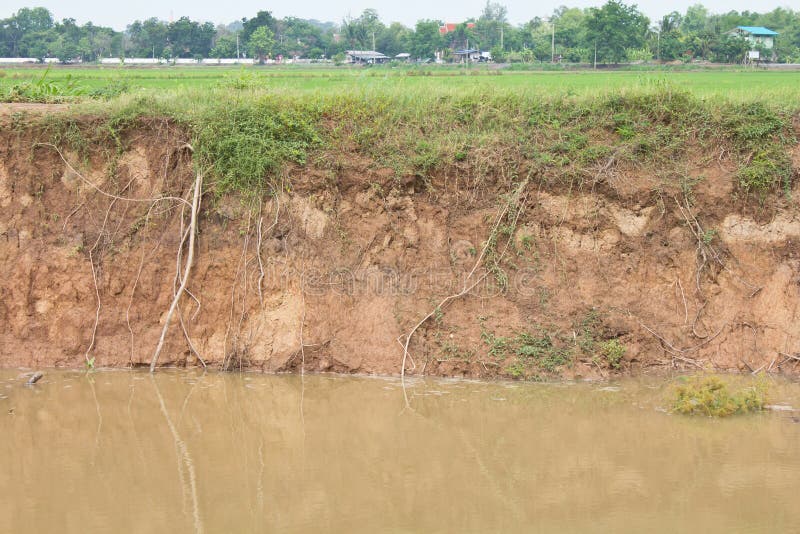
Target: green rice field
point(779, 87)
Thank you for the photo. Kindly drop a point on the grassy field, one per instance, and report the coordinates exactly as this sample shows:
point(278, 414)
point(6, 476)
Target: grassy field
point(738, 85)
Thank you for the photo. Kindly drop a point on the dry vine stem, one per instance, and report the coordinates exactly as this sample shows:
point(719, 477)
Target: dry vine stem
point(466, 288)
point(198, 186)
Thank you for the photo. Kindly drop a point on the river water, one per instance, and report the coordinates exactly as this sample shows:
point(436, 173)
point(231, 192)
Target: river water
point(185, 452)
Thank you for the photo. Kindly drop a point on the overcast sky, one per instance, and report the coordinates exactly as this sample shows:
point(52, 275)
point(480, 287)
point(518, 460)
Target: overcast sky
point(119, 14)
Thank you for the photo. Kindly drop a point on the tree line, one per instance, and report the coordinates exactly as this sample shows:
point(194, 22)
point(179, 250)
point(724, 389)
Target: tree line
point(612, 33)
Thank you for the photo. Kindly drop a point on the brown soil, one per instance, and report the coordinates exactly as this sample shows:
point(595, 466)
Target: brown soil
point(354, 261)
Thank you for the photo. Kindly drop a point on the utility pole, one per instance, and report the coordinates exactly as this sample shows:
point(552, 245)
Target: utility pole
point(501, 38)
point(595, 55)
point(553, 43)
point(658, 47)
point(373, 41)
point(237, 46)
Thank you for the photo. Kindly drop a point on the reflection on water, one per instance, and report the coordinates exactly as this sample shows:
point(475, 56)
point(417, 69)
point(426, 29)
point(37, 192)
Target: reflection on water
point(127, 452)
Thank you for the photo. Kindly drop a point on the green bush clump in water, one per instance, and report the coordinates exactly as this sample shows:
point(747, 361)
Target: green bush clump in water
point(711, 397)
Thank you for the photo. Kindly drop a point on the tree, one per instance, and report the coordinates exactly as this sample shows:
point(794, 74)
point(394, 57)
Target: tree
point(359, 32)
point(490, 26)
point(23, 24)
point(148, 37)
point(261, 43)
point(262, 18)
point(695, 20)
point(296, 37)
point(190, 38)
point(224, 47)
point(394, 39)
point(730, 49)
point(614, 28)
point(426, 39)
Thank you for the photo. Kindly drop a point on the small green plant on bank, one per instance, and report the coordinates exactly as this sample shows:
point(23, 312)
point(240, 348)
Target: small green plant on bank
point(450, 351)
point(544, 350)
point(541, 351)
point(612, 352)
point(711, 396)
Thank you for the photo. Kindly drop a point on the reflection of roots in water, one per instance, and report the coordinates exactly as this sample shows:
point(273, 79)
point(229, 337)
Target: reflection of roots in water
point(183, 454)
point(99, 417)
point(507, 500)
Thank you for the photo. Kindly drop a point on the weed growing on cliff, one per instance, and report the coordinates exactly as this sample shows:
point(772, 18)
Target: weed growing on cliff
point(545, 349)
point(247, 143)
point(766, 170)
point(612, 352)
point(529, 353)
point(541, 351)
point(760, 134)
point(710, 396)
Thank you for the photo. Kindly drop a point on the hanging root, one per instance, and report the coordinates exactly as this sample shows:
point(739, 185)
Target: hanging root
point(469, 283)
point(90, 361)
point(192, 236)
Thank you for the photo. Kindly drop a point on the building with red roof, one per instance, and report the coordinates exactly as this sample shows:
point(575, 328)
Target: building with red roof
point(451, 27)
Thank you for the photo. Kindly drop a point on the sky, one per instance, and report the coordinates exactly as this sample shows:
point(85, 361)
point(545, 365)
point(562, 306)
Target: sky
point(407, 12)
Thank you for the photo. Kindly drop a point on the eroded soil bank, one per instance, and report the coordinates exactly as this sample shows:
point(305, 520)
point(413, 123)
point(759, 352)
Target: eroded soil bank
point(625, 274)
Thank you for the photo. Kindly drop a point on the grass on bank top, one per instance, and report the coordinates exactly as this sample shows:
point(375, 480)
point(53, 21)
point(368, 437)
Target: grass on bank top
point(247, 134)
point(730, 84)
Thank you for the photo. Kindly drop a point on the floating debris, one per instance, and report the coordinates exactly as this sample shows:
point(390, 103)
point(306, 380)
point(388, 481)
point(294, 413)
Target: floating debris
point(35, 377)
point(779, 408)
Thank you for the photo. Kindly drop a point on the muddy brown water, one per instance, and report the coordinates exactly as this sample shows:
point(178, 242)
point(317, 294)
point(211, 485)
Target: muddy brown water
point(182, 452)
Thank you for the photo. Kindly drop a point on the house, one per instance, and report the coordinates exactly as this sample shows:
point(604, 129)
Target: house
point(471, 54)
point(365, 57)
point(403, 56)
point(451, 27)
point(757, 35)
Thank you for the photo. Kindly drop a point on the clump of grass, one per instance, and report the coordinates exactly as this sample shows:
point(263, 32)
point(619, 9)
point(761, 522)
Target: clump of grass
point(247, 143)
point(766, 170)
point(612, 352)
point(541, 351)
point(112, 89)
point(710, 396)
point(44, 90)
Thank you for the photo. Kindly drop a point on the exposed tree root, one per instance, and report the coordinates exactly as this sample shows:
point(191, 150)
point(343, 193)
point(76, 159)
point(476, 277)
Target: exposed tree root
point(90, 361)
point(469, 285)
point(198, 185)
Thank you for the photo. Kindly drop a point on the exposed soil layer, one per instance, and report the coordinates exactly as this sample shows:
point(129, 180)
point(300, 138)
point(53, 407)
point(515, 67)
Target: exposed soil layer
point(625, 276)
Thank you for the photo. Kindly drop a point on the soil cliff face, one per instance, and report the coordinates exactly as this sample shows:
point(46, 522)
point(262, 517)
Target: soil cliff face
point(334, 272)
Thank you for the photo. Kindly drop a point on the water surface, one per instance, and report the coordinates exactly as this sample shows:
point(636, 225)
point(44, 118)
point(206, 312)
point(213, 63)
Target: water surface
point(182, 452)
